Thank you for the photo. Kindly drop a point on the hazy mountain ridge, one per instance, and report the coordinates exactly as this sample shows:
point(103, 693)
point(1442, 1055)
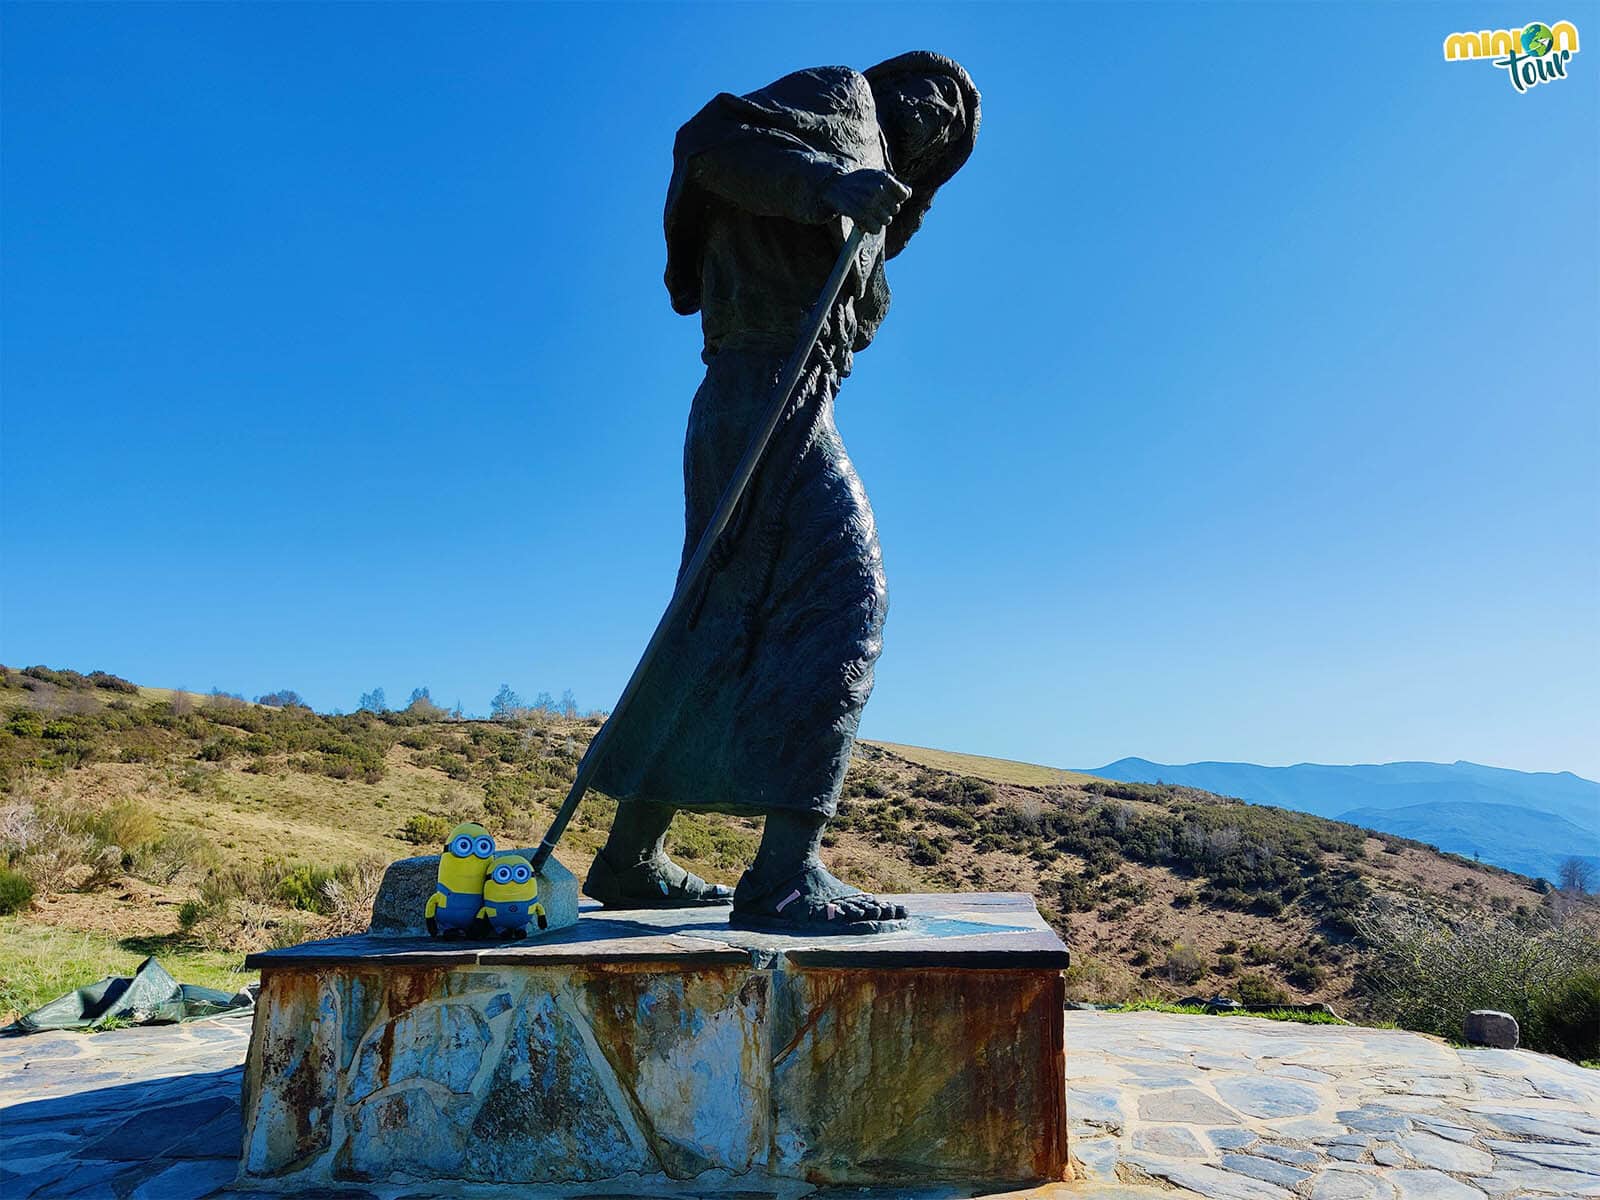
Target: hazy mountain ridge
point(1522, 820)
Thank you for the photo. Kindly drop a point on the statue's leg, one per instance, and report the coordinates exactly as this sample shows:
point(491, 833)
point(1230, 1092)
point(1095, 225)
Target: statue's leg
point(632, 869)
point(788, 889)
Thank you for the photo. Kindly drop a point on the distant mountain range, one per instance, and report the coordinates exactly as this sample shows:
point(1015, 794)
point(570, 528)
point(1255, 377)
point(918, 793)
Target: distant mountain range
point(1524, 821)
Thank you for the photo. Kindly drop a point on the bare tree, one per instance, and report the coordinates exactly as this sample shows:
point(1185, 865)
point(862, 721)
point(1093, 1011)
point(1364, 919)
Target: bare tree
point(1576, 875)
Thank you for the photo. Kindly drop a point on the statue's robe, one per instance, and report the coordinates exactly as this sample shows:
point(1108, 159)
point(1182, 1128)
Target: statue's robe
point(752, 704)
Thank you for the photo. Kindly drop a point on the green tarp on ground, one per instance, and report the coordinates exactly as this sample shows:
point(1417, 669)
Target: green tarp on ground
point(151, 997)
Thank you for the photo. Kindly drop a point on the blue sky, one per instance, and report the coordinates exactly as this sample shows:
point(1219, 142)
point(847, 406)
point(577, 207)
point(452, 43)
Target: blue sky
point(1238, 400)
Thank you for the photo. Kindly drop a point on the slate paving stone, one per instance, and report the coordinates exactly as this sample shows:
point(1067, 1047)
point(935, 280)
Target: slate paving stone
point(1431, 1150)
point(1232, 1139)
point(1588, 1122)
point(152, 1132)
point(1288, 1154)
point(1445, 1129)
point(1170, 1141)
point(32, 1147)
point(1096, 1106)
point(1261, 1097)
point(219, 1137)
point(1265, 1169)
point(1536, 1128)
point(1306, 1129)
point(188, 1180)
point(1304, 1073)
point(304, 1193)
point(1213, 1182)
point(1513, 1176)
point(1431, 1185)
point(98, 1179)
point(1567, 1158)
point(1348, 1185)
point(1224, 1062)
point(1189, 1106)
point(1136, 1084)
point(1371, 1120)
point(1098, 1157)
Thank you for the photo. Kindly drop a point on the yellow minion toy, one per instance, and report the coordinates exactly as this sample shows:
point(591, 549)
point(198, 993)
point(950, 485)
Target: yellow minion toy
point(458, 896)
point(511, 897)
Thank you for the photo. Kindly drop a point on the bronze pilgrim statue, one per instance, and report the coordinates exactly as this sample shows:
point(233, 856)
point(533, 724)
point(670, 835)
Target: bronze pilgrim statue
point(752, 703)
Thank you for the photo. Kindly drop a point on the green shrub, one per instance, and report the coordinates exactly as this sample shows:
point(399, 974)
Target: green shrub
point(1426, 971)
point(113, 683)
point(127, 824)
point(1569, 1017)
point(305, 887)
point(424, 828)
point(169, 856)
point(26, 723)
point(1257, 989)
point(15, 891)
point(1185, 964)
point(953, 789)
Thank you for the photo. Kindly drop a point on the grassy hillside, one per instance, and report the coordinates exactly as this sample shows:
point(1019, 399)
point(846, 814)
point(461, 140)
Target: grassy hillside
point(995, 770)
point(202, 827)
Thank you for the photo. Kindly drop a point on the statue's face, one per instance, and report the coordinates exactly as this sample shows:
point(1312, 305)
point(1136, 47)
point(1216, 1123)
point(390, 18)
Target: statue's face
point(920, 113)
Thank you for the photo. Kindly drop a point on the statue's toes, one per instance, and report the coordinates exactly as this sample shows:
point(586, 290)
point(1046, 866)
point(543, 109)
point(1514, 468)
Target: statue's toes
point(866, 908)
point(855, 908)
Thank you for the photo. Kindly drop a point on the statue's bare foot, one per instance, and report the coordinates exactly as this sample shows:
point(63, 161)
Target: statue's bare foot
point(657, 882)
point(810, 900)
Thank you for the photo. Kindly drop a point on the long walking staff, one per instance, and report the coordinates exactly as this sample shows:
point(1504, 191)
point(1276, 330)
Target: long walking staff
point(702, 553)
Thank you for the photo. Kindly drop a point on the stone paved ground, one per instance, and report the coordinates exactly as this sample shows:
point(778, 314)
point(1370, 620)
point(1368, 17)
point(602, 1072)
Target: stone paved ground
point(1228, 1107)
point(1246, 1109)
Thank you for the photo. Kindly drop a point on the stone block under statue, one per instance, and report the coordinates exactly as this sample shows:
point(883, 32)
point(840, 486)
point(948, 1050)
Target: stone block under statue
point(655, 1049)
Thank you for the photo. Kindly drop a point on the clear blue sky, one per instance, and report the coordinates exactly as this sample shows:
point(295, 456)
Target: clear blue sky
point(1239, 399)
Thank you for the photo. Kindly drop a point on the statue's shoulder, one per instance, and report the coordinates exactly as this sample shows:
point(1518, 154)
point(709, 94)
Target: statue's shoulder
point(829, 91)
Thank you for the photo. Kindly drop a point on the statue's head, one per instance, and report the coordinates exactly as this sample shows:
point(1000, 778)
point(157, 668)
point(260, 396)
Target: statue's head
point(929, 110)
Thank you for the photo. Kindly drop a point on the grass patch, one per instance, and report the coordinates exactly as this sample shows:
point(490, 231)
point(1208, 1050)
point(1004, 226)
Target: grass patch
point(996, 770)
point(40, 962)
point(1301, 1017)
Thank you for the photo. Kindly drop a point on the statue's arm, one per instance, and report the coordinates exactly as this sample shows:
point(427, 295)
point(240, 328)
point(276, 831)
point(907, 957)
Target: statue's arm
point(765, 174)
point(434, 901)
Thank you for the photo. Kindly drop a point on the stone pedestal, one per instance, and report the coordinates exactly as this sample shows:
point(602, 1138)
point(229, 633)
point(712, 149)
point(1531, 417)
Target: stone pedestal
point(636, 1049)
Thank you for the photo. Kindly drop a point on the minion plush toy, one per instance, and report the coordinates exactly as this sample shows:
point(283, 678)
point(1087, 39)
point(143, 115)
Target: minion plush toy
point(511, 897)
point(456, 899)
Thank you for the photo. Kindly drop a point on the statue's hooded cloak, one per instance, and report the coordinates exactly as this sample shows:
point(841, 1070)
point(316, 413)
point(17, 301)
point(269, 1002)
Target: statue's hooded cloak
point(812, 123)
